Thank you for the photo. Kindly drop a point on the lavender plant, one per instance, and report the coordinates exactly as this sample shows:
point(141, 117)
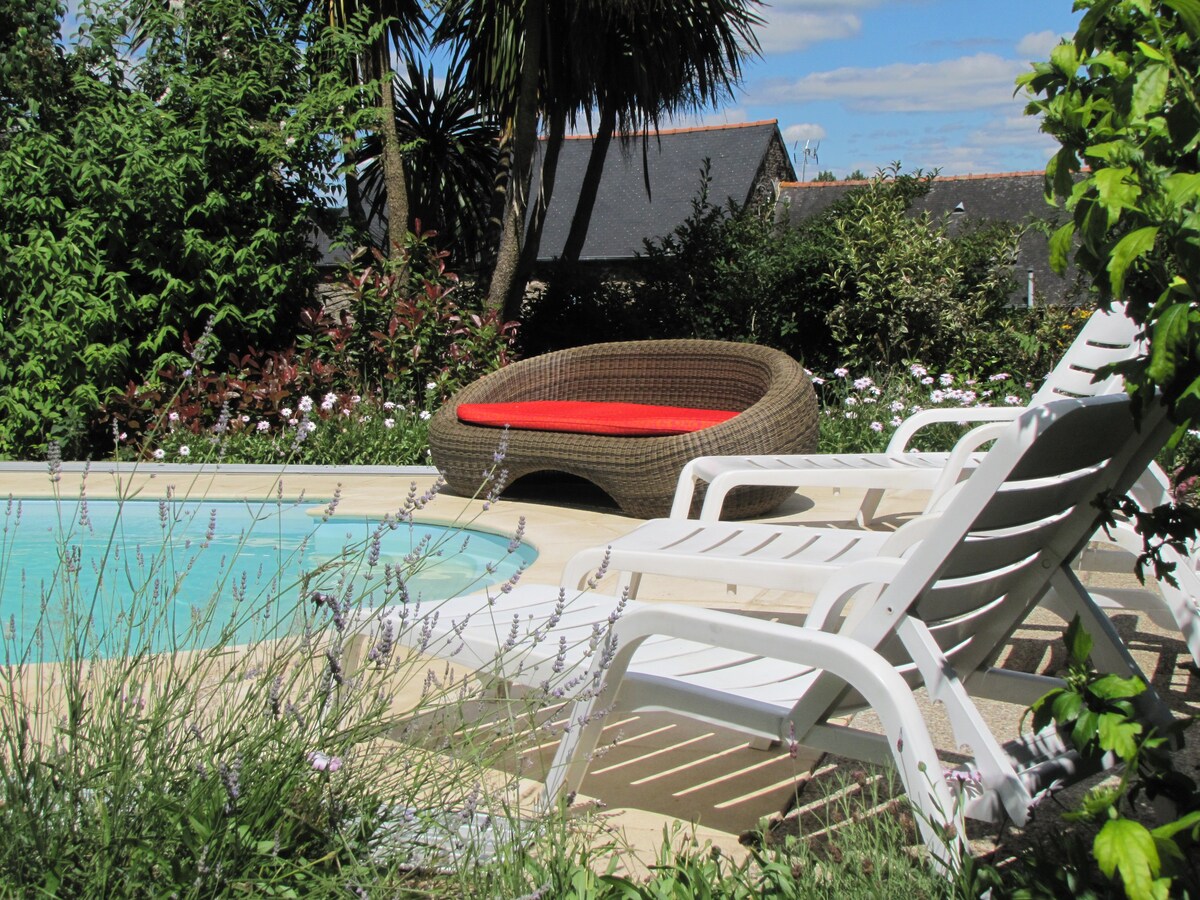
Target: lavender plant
point(240, 744)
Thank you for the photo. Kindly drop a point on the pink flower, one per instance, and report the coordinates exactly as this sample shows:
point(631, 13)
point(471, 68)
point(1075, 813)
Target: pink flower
point(323, 762)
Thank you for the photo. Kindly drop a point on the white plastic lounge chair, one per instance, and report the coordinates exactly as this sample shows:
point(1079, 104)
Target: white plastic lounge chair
point(1108, 337)
point(937, 615)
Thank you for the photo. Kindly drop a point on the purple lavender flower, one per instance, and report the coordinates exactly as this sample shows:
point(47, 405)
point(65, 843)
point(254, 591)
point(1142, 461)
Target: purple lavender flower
point(54, 460)
point(231, 778)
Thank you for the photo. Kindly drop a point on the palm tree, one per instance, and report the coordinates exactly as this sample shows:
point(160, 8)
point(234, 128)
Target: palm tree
point(646, 72)
point(450, 161)
point(634, 60)
point(500, 45)
point(391, 23)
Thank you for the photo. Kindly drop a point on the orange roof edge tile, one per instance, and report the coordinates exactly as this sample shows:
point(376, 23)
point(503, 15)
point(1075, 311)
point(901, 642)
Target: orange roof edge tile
point(805, 184)
point(588, 137)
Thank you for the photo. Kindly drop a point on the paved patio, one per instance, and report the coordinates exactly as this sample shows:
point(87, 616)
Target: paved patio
point(662, 769)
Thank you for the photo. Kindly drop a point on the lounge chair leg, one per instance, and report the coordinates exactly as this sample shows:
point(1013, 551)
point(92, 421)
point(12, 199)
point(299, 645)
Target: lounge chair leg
point(868, 508)
point(762, 743)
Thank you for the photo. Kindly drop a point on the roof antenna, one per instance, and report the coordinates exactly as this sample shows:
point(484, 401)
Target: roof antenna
point(810, 152)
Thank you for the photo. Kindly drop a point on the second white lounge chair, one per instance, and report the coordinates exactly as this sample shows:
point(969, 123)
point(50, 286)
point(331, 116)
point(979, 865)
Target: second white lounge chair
point(1109, 337)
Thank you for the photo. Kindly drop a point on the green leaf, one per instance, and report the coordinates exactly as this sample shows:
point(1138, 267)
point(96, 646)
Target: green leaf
point(1065, 58)
point(1116, 189)
point(1150, 52)
point(1127, 847)
point(1133, 245)
point(1114, 687)
point(1168, 342)
point(1119, 735)
point(1169, 830)
point(1084, 732)
point(1061, 244)
point(1189, 14)
point(1066, 706)
point(1150, 90)
point(1078, 641)
point(1107, 150)
point(1182, 187)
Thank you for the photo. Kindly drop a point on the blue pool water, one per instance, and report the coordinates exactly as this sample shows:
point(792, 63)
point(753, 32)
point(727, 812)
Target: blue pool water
point(176, 573)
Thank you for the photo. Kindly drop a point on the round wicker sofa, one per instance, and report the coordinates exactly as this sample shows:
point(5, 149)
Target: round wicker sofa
point(776, 404)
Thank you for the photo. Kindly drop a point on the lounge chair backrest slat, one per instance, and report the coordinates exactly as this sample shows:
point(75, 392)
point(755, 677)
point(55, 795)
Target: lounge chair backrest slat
point(974, 614)
point(1048, 442)
point(1106, 338)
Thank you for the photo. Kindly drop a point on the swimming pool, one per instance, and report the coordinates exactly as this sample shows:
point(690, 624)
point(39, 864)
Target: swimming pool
point(178, 573)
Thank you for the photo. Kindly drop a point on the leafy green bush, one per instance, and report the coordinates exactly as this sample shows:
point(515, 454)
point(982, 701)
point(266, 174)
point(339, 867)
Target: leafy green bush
point(403, 331)
point(358, 391)
point(863, 283)
point(138, 203)
point(1099, 714)
point(1122, 100)
point(903, 286)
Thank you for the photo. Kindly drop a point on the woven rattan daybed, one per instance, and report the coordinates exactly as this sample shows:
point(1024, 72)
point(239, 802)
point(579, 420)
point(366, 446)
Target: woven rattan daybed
point(775, 404)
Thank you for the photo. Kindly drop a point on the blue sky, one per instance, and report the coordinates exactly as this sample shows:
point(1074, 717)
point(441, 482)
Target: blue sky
point(928, 83)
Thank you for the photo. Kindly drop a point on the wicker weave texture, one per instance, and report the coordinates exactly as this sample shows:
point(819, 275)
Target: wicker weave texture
point(776, 404)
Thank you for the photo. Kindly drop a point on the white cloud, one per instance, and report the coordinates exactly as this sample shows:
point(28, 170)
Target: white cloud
point(998, 144)
point(969, 82)
point(787, 30)
point(1038, 44)
point(804, 131)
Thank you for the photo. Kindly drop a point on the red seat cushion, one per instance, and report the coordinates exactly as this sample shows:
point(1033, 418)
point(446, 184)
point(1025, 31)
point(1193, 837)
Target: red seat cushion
point(591, 417)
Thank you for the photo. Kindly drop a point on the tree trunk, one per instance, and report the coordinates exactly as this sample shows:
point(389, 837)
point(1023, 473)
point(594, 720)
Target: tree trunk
point(590, 186)
point(533, 234)
point(395, 183)
point(354, 208)
point(504, 292)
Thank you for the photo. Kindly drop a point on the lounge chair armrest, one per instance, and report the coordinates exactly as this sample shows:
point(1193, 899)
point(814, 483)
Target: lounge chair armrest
point(914, 423)
point(844, 585)
point(850, 661)
point(960, 458)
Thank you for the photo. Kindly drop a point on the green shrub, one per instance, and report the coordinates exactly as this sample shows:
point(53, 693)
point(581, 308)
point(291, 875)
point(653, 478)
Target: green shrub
point(864, 283)
point(907, 289)
point(358, 391)
point(136, 204)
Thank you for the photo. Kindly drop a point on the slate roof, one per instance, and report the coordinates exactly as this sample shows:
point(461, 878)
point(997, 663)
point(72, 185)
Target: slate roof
point(966, 199)
point(624, 216)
